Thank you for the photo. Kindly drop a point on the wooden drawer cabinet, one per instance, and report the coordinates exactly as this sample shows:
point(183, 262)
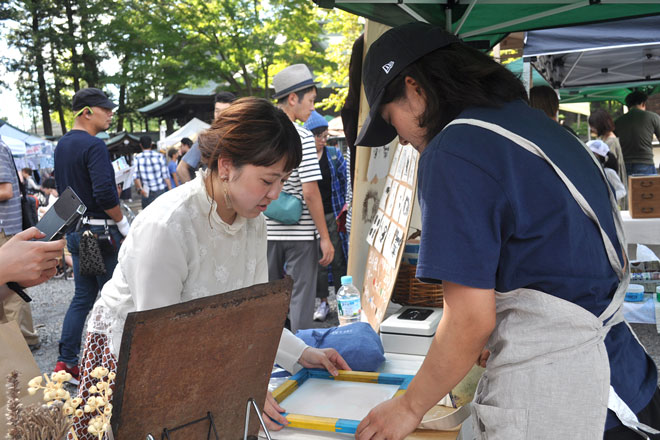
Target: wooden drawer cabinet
point(644, 196)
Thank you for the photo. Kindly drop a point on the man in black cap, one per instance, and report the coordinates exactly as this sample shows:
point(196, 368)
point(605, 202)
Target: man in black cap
point(83, 163)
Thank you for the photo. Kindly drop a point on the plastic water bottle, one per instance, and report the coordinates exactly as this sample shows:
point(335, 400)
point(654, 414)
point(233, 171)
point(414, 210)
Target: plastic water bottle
point(348, 301)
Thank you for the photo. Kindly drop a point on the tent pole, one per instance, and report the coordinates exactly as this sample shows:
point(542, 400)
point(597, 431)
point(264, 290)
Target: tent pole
point(527, 75)
point(571, 71)
point(412, 13)
point(448, 18)
point(506, 24)
point(464, 17)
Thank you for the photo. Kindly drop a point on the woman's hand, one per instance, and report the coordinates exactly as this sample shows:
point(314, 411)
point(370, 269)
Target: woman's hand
point(391, 420)
point(27, 262)
point(327, 358)
point(483, 358)
point(272, 414)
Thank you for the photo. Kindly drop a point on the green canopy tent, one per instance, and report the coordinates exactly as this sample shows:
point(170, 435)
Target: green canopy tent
point(614, 92)
point(492, 20)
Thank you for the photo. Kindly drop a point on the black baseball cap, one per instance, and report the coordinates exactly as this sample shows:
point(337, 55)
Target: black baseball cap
point(395, 50)
point(91, 97)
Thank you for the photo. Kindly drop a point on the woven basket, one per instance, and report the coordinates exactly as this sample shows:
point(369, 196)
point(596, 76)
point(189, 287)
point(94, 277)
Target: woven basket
point(409, 291)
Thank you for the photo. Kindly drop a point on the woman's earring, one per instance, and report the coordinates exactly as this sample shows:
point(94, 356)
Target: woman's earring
point(225, 189)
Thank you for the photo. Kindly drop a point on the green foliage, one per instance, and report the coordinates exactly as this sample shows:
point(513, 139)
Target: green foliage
point(343, 29)
point(158, 47)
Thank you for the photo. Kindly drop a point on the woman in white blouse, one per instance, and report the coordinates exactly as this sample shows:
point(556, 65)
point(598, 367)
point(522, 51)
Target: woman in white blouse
point(206, 237)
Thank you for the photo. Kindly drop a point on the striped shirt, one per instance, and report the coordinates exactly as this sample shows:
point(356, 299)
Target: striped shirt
point(308, 171)
point(152, 170)
point(11, 218)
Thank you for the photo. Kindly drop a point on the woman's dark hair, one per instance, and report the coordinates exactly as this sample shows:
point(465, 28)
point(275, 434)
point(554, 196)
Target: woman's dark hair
point(454, 78)
point(545, 99)
point(225, 97)
point(602, 122)
point(251, 131)
point(49, 183)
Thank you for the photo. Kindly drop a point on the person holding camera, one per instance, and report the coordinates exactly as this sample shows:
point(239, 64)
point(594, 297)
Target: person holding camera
point(83, 163)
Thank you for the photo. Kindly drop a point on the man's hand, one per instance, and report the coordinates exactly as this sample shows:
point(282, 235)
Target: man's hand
point(327, 251)
point(391, 420)
point(29, 263)
point(327, 358)
point(272, 414)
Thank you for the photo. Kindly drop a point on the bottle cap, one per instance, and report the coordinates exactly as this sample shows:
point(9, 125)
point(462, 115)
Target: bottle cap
point(346, 279)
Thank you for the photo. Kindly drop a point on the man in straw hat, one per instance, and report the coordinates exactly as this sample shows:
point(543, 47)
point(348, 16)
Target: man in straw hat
point(294, 247)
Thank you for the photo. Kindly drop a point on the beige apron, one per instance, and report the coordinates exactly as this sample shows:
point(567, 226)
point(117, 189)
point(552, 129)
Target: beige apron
point(551, 380)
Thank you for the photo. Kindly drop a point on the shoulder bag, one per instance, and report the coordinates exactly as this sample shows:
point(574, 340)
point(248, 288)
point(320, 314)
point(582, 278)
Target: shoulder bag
point(286, 209)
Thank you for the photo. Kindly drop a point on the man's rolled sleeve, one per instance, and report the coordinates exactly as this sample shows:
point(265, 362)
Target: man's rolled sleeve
point(104, 188)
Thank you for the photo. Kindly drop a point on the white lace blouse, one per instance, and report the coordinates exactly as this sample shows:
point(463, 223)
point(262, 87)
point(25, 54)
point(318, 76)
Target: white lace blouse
point(180, 249)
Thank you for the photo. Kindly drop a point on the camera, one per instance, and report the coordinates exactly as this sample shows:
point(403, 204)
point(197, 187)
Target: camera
point(106, 243)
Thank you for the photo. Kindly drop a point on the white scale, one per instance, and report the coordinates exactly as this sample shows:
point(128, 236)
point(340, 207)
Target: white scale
point(410, 330)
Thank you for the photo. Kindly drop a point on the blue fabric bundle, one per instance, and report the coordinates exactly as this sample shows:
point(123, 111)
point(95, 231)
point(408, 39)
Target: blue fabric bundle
point(358, 344)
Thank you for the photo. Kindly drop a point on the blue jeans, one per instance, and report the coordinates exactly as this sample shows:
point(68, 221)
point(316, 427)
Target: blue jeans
point(146, 201)
point(86, 289)
point(640, 169)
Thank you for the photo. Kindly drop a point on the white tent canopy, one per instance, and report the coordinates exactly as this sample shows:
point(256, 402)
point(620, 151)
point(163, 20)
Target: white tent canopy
point(28, 139)
point(16, 146)
point(190, 130)
point(624, 51)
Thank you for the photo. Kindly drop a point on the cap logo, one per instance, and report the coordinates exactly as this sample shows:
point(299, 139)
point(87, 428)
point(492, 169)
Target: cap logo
point(387, 67)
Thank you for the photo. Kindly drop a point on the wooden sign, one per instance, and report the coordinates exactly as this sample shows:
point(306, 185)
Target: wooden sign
point(388, 233)
point(212, 354)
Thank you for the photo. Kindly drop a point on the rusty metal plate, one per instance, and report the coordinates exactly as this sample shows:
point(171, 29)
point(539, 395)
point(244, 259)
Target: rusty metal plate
point(211, 354)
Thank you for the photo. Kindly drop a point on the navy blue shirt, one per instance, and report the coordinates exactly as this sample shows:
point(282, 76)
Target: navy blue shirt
point(82, 162)
point(495, 216)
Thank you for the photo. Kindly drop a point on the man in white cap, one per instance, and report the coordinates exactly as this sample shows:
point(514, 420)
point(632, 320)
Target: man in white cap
point(294, 247)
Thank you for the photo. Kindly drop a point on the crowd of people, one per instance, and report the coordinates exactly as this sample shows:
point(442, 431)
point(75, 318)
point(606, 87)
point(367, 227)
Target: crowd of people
point(517, 269)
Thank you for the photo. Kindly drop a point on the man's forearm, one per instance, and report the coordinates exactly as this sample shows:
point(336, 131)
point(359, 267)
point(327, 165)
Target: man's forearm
point(6, 191)
point(115, 213)
point(183, 171)
point(460, 338)
point(312, 197)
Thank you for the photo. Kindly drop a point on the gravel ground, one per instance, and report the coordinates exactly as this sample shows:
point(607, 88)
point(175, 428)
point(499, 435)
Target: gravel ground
point(50, 303)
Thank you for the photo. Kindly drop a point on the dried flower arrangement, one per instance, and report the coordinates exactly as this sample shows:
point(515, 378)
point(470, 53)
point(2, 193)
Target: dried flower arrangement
point(54, 419)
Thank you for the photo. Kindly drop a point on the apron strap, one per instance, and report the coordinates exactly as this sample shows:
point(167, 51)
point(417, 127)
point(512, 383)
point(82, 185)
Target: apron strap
point(626, 416)
point(622, 271)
